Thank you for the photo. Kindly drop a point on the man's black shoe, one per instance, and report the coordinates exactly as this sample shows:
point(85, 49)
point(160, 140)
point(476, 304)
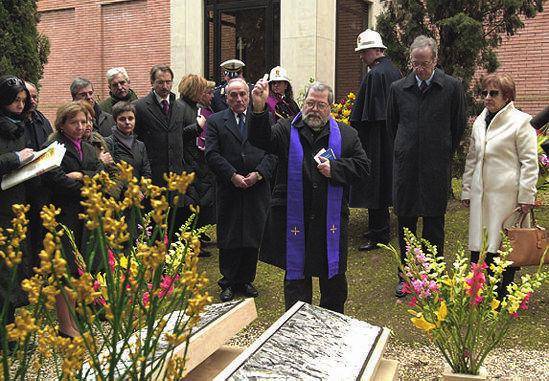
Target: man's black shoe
point(204, 254)
point(399, 292)
point(227, 294)
point(249, 290)
point(368, 247)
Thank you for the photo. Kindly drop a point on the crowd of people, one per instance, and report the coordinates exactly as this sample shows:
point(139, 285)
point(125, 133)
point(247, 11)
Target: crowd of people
point(277, 179)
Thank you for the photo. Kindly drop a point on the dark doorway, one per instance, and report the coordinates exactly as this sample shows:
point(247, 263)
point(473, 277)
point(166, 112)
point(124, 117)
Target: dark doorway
point(247, 30)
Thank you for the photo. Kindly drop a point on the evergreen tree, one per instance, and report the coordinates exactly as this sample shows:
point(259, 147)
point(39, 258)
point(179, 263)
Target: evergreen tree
point(23, 50)
point(467, 31)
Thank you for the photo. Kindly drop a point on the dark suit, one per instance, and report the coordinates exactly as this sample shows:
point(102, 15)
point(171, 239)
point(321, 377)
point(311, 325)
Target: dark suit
point(241, 213)
point(66, 193)
point(426, 128)
point(163, 138)
point(162, 135)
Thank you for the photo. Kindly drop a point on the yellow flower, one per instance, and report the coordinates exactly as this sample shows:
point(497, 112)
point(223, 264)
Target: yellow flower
point(442, 312)
point(423, 324)
point(494, 304)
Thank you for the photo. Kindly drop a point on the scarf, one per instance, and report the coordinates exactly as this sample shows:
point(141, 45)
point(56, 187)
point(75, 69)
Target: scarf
point(126, 140)
point(295, 224)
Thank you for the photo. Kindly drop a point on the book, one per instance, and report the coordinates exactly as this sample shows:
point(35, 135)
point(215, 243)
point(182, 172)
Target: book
point(325, 153)
point(42, 161)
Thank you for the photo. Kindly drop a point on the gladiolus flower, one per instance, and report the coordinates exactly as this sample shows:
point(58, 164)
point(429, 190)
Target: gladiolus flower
point(442, 311)
point(475, 282)
point(112, 260)
point(423, 324)
point(524, 303)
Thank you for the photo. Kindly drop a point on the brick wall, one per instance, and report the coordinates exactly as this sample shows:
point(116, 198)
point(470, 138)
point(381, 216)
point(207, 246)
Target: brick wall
point(90, 36)
point(525, 56)
point(352, 19)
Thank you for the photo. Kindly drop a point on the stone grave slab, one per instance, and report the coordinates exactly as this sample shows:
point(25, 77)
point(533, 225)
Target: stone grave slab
point(311, 343)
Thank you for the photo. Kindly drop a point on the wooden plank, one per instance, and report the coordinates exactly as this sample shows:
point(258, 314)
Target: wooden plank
point(387, 370)
point(214, 364)
point(211, 337)
point(373, 362)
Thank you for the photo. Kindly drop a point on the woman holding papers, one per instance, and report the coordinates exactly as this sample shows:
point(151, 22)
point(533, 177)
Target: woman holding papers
point(14, 105)
point(66, 182)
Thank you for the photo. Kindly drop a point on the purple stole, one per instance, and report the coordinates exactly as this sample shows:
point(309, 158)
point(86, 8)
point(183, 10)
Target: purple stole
point(295, 222)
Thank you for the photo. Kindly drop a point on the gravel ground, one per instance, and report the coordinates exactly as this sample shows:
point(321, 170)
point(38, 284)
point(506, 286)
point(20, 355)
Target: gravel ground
point(426, 363)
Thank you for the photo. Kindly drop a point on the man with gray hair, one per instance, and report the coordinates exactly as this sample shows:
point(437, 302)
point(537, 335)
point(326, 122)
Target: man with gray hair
point(82, 90)
point(318, 159)
point(119, 89)
point(426, 119)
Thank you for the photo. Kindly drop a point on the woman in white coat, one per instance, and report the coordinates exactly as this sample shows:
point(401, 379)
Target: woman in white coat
point(501, 169)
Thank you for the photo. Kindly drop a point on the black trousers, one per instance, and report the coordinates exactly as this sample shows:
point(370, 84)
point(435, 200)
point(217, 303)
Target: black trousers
point(507, 276)
point(333, 292)
point(237, 266)
point(379, 225)
point(433, 231)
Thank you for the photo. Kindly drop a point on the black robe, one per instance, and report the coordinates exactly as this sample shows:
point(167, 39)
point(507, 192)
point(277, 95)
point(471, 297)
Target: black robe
point(241, 213)
point(368, 118)
point(352, 165)
point(426, 129)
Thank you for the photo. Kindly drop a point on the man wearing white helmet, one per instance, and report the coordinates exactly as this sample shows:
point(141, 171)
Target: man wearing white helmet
point(368, 117)
point(281, 102)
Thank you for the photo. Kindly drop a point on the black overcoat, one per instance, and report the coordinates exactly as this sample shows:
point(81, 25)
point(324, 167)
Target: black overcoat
point(426, 129)
point(12, 139)
point(162, 135)
point(202, 190)
point(352, 165)
point(241, 213)
point(136, 156)
point(65, 192)
point(103, 121)
point(368, 118)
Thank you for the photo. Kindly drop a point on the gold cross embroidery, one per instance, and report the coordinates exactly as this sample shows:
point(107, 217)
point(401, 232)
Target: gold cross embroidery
point(333, 229)
point(295, 230)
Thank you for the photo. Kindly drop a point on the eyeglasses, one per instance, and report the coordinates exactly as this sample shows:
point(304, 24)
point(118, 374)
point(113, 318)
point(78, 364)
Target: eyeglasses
point(421, 64)
point(493, 93)
point(319, 105)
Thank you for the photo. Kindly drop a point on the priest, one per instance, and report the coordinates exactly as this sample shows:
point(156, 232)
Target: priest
point(306, 232)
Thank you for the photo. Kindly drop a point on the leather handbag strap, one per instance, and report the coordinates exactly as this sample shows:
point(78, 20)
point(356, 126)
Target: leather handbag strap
point(521, 218)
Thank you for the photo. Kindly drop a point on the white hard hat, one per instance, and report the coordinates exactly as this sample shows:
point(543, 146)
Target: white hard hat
point(278, 73)
point(369, 39)
point(232, 65)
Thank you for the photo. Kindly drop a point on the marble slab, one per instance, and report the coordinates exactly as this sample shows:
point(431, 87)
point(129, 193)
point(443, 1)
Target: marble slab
point(311, 343)
point(210, 318)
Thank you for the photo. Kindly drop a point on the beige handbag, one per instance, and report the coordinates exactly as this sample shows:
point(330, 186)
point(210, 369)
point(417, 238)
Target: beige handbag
point(529, 243)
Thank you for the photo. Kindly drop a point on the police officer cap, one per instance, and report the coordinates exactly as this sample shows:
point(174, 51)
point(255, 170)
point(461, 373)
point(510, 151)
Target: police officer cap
point(232, 67)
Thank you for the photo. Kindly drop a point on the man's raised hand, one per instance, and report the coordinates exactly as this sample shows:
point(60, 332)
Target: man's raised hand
point(260, 93)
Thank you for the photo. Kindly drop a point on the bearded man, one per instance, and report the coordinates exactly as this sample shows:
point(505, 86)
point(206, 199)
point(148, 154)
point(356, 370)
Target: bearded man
point(306, 232)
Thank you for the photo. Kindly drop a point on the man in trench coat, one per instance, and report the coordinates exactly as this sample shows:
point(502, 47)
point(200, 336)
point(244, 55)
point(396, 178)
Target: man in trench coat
point(369, 119)
point(243, 173)
point(426, 119)
point(306, 232)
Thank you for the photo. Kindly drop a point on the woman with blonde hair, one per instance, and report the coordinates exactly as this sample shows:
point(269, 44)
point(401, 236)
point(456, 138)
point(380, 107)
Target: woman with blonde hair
point(501, 169)
point(196, 95)
point(66, 183)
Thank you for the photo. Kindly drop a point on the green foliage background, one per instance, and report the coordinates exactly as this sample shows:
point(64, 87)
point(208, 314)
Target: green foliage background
point(23, 50)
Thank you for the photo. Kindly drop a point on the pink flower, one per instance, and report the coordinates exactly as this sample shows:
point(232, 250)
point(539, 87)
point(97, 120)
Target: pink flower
point(515, 315)
point(166, 285)
point(146, 298)
point(524, 303)
point(412, 302)
point(166, 241)
point(80, 271)
point(476, 281)
point(111, 258)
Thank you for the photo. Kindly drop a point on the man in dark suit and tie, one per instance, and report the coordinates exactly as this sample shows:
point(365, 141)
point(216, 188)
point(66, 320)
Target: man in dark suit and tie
point(159, 124)
point(243, 173)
